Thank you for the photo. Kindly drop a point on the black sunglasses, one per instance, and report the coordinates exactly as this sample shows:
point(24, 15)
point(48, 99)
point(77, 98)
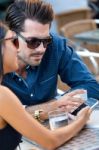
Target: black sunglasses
point(34, 42)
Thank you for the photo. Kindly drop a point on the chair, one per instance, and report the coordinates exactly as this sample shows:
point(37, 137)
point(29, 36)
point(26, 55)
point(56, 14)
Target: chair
point(70, 29)
point(62, 86)
point(75, 27)
point(73, 15)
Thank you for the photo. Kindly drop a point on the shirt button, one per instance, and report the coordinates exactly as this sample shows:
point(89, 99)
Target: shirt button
point(31, 95)
point(19, 79)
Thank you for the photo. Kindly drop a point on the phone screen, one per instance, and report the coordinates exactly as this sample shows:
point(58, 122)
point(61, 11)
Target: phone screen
point(92, 102)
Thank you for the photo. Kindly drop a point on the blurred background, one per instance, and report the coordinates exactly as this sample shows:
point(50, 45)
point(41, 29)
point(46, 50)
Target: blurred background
point(61, 6)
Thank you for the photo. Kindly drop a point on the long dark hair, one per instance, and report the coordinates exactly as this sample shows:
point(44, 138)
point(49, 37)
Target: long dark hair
point(3, 30)
point(21, 10)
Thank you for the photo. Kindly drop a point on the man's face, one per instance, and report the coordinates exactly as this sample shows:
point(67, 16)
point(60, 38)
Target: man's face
point(32, 29)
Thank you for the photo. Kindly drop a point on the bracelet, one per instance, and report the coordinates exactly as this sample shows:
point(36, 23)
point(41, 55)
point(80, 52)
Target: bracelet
point(37, 115)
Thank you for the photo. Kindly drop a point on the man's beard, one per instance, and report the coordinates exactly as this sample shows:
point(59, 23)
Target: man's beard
point(27, 63)
point(21, 59)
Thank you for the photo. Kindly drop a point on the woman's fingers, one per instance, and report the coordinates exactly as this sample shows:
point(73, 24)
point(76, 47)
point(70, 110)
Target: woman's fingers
point(85, 112)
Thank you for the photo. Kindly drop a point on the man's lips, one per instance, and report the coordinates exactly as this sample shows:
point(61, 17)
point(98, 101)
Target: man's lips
point(37, 56)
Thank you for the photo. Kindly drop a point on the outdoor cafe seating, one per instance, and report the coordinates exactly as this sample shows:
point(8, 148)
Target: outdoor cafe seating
point(71, 15)
point(69, 30)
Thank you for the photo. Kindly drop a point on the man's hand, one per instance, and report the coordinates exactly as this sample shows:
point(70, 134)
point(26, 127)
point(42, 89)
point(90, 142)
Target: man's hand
point(70, 101)
point(67, 102)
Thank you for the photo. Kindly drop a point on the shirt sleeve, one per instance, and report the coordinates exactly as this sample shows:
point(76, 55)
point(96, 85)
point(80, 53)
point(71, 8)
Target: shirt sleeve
point(75, 73)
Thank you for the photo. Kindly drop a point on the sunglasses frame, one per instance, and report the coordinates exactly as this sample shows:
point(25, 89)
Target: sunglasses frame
point(11, 38)
point(38, 39)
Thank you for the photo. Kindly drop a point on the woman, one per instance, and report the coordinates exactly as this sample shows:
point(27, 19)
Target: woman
point(12, 114)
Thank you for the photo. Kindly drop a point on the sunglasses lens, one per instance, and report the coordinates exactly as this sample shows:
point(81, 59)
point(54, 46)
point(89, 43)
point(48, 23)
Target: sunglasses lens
point(46, 42)
point(33, 43)
point(16, 43)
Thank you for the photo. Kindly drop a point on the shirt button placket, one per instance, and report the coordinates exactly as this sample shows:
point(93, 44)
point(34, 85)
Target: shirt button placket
point(20, 79)
point(31, 95)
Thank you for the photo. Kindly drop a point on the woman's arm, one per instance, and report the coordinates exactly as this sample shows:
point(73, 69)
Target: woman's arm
point(12, 111)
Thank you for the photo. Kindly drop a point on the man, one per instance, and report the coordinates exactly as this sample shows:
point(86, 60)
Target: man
point(43, 56)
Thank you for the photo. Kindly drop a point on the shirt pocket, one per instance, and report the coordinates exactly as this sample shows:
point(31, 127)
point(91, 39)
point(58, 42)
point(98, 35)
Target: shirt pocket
point(46, 89)
point(49, 80)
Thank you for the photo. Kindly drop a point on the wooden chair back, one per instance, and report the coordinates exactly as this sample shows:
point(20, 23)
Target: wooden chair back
point(70, 29)
point(73, 15)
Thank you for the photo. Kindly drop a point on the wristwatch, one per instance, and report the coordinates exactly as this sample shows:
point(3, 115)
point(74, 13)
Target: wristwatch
point(37, 115)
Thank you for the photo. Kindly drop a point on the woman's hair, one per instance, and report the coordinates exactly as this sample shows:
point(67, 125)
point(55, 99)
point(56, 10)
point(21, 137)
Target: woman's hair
point(3, 30)
point(36, 10)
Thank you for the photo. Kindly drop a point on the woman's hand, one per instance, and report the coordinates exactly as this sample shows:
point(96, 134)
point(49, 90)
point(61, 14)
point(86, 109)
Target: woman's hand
point(84, 113)
point(70, 101)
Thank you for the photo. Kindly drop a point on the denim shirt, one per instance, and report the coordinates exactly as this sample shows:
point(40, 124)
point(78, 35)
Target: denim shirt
point(41, 82)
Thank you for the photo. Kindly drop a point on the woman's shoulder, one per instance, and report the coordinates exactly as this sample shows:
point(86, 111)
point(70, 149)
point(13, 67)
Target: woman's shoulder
point(4, 89)
point(5, 92)
point(7, 98)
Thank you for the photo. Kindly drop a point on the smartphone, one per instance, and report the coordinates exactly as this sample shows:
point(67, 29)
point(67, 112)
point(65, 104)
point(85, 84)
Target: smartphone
point(91, 102)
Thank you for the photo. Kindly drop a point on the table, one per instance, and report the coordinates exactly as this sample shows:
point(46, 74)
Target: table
point(87, 139)
point(88, 36)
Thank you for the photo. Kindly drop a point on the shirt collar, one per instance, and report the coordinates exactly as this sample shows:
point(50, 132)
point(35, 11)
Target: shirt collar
point(28, 67)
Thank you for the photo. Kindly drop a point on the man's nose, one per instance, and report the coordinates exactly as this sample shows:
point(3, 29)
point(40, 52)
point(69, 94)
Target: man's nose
point(41, 47)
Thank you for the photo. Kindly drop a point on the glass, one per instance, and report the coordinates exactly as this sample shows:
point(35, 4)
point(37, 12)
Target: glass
point(58, 118)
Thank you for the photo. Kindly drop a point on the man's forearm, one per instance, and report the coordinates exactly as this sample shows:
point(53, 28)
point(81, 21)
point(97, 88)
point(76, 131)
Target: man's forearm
point(45, 107)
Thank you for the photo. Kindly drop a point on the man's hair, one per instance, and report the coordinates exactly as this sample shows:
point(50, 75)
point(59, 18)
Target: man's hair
point(36, 10)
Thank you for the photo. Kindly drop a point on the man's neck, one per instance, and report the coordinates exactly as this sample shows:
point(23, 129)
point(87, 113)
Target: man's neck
point(22, 72)
point(22, 69)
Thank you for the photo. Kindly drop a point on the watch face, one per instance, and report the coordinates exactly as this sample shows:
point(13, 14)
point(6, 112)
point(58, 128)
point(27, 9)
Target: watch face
point(37, 115)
